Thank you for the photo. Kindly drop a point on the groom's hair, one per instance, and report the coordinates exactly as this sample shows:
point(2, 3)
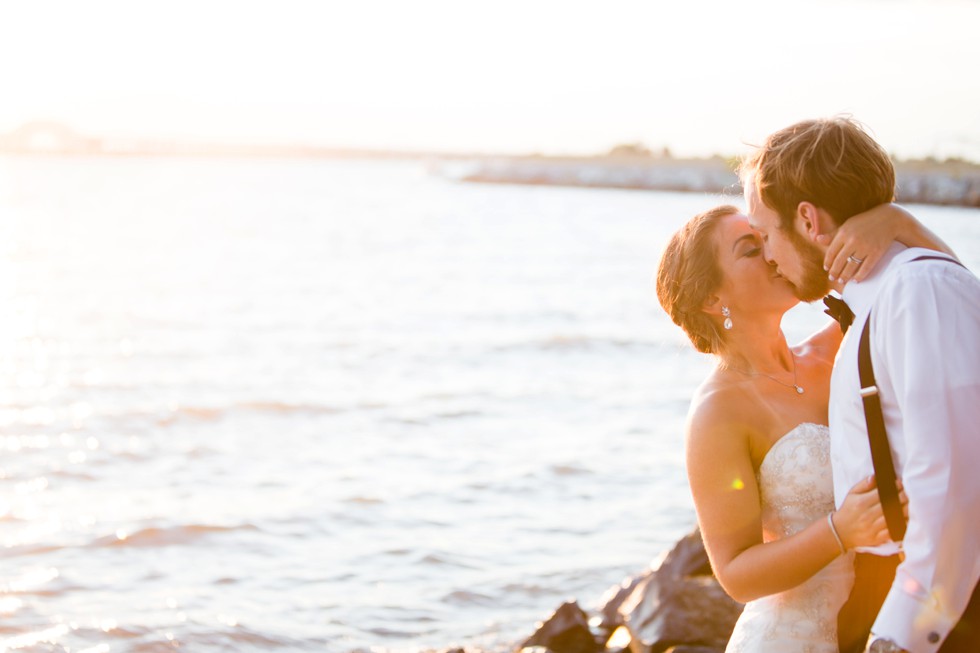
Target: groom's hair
point(831, 162)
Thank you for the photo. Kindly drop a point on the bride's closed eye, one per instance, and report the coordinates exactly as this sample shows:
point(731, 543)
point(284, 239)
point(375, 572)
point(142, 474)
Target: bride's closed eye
point(749, 247)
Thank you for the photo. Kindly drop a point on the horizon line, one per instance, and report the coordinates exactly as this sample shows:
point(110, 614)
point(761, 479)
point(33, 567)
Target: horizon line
point(54, 138)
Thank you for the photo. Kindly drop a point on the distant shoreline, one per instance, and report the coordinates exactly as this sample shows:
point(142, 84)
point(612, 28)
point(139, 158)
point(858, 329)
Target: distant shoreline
point(952, 183)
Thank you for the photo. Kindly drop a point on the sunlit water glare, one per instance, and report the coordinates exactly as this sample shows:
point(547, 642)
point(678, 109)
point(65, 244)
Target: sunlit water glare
point(325, 406)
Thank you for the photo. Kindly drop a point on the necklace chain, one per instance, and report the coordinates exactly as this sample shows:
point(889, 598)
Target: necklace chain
point(794, 385)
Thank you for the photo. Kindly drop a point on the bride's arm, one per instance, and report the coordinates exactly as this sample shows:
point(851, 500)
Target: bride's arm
point(868, 235)
point(726, 497)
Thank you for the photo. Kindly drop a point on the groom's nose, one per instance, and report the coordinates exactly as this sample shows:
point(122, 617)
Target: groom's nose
point(767, 254)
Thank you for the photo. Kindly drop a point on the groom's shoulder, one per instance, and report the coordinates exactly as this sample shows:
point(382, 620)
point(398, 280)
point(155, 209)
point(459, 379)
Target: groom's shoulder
point(928, 284)
point(926, 269)
point(918, 260)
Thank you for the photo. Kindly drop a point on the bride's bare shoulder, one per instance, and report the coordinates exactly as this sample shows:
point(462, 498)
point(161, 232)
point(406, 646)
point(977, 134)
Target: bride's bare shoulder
point(719, 435)
point(722, 408)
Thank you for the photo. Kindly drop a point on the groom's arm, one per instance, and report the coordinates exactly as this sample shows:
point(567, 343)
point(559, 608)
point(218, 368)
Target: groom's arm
point(928, 346)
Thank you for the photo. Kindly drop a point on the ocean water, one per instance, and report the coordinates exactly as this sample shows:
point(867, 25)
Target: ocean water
point(332, 406)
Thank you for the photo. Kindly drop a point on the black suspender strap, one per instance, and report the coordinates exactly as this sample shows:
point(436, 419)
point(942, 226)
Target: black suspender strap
point(881, 454)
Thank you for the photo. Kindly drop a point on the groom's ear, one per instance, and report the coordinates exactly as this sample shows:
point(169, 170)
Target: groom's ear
point(812, 223)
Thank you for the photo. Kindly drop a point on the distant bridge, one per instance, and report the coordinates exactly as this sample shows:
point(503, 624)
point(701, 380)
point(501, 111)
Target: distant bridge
point(48, 137)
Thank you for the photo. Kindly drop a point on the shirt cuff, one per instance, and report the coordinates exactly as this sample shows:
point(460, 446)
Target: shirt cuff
point(915, 623)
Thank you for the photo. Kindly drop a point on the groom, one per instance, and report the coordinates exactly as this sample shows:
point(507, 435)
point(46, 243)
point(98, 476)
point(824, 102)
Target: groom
point(803, 183)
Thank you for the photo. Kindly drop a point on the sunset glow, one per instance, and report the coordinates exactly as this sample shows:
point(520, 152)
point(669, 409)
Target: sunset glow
point(700, 77)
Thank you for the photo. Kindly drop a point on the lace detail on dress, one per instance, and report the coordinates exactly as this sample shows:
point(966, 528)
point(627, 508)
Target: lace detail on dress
point(795, 488)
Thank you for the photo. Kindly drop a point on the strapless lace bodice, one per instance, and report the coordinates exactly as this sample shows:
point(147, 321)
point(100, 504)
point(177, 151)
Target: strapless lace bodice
point(795, 489)
point(795, 485)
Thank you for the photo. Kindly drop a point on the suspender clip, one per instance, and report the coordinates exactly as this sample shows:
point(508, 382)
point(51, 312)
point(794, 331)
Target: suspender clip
point(870, 391)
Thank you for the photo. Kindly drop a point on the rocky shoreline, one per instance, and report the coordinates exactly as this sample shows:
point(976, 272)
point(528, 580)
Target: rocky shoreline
point(675, 607)
point(955, 183)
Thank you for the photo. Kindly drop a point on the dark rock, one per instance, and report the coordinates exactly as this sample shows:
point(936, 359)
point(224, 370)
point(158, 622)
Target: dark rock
point(617, 642)
point(678, 604)
point(687, 558)
point(566, 631)
point(665, 612)
point(609, 603)
point(676, 607)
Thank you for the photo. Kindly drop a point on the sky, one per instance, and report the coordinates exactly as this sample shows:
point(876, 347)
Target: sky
point(696, 76)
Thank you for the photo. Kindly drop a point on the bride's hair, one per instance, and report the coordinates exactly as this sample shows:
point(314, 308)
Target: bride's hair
point(688, 274)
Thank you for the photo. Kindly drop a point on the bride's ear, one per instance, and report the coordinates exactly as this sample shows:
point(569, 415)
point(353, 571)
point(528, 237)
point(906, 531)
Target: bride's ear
point(712, 305)
point(813, 223)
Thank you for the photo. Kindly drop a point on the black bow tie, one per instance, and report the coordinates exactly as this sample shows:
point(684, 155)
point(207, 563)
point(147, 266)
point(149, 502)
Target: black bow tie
point(840, 311)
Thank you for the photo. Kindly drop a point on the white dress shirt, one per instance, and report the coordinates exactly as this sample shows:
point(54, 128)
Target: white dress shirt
point(925, 346)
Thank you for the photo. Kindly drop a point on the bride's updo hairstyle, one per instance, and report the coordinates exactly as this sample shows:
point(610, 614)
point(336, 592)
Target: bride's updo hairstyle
point(688, 274)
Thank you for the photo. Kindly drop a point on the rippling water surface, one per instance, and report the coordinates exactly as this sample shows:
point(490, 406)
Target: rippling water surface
point(326, 406)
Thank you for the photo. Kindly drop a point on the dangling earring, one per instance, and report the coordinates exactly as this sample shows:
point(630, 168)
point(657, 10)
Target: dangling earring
point(728, 317)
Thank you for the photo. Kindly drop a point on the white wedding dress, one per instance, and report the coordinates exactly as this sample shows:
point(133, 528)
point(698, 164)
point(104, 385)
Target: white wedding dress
point(795, 488)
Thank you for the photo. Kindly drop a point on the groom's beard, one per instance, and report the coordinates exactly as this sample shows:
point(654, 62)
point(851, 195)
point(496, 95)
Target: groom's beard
point(814, 283)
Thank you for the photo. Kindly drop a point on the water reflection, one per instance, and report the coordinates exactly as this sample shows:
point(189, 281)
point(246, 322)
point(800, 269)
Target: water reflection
point(300, 405)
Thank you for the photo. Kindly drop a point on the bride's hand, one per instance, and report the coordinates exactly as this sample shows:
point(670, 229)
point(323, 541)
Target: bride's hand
point(903, 498)
point(862, 240)
point(860, 520)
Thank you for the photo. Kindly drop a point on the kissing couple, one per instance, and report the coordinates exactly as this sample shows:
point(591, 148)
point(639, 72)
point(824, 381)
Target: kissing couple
point(833, 480)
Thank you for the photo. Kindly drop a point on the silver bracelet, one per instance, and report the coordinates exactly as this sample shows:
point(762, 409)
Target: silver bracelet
point(830, 522)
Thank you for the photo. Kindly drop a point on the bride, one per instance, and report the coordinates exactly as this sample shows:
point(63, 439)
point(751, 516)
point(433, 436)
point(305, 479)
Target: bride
point(757, 441)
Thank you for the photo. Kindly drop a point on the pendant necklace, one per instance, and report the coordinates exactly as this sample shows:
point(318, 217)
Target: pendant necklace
point(793, 385)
